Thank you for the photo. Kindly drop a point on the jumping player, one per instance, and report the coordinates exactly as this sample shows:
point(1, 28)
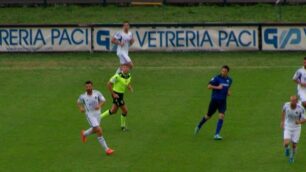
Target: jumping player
point(124, 39)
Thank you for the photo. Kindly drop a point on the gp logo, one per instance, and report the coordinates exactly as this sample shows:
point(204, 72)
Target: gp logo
point(282, 38)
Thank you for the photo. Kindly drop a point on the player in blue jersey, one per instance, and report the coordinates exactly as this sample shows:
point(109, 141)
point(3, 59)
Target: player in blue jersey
point(220, 86)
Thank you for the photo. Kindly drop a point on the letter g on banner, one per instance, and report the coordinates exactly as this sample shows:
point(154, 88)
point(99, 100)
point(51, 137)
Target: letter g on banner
point(103, 39)
point(270, 37)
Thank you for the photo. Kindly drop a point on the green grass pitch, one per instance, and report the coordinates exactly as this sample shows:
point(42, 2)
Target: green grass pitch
point(40, 122)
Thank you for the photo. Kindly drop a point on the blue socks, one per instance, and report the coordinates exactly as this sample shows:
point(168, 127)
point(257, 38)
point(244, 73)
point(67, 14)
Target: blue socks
point(219, 126)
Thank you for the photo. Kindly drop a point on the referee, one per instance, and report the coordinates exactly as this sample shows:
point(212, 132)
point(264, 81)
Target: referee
point(117, 86)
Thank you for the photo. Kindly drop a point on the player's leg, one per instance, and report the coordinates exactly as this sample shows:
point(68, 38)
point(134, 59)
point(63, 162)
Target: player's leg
point(211, 110)
point(89, 131)
point(95, 124)
point(124, 110)
point(121, 60)
point(85, 134)
point(292, 153)
point(287, 138)
point(127, 61)
point(116, 104)
point(222, 109)
point(286, 146)
point(101, 140)
point(109, 112)
point(295, 139)
point(124, 60)
point(219, 127)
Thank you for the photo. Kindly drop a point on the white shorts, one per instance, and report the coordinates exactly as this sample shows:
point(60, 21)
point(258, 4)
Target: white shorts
point(292, 134)
point(124, 58)
point(302, 95)
point(93, 119)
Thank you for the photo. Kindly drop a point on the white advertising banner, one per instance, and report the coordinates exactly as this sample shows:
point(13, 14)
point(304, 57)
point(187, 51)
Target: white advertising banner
point(220, 38)
point(36, 39)
point(288, 38)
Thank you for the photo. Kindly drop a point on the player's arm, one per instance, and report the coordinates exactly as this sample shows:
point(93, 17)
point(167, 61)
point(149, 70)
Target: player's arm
point(101, 102)
point(132, 41)
point(130, 87)
point(99, 105)
point(283, 119)
point(214, 84)
point(229, 93)
point(302, 119)
point(212, 87)
point(296, 79)
point(115, 40)
point(80, 106)
point(110, 88)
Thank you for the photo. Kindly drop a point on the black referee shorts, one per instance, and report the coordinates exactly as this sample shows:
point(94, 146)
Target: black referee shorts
point(119, 101)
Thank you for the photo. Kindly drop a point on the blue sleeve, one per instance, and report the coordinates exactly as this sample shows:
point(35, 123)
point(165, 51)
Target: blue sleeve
point(214, 81)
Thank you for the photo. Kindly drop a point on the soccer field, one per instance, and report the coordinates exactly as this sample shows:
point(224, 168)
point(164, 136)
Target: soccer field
point(40, 122)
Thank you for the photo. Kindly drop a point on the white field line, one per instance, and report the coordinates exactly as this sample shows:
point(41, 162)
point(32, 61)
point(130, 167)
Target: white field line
point(3, 68)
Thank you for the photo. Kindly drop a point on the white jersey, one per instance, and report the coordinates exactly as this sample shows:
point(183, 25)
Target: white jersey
point(126, 38)
point(300, 75)
point(91, 101)
point(291, 115)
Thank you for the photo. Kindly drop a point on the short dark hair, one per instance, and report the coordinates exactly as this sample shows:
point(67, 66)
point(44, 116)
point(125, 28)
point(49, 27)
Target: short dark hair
point(305, 58)
point(88, 82)
point(226, 67)
point(126, 22)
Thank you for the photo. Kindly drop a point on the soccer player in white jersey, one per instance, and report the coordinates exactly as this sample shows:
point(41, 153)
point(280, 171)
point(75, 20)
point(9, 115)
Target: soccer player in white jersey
point(91, 102)
point(300, 79)
point(292, 118)
point(124, 39)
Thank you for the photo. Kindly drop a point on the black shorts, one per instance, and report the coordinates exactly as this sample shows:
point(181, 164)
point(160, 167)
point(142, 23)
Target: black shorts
point(119, 101)
point(215, 105)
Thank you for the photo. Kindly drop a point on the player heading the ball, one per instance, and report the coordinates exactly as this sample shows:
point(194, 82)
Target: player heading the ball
point(91, 102)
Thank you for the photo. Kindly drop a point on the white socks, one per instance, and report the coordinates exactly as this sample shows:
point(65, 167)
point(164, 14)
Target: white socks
point(102, 142)
point(88, 132)
point(100, 139)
